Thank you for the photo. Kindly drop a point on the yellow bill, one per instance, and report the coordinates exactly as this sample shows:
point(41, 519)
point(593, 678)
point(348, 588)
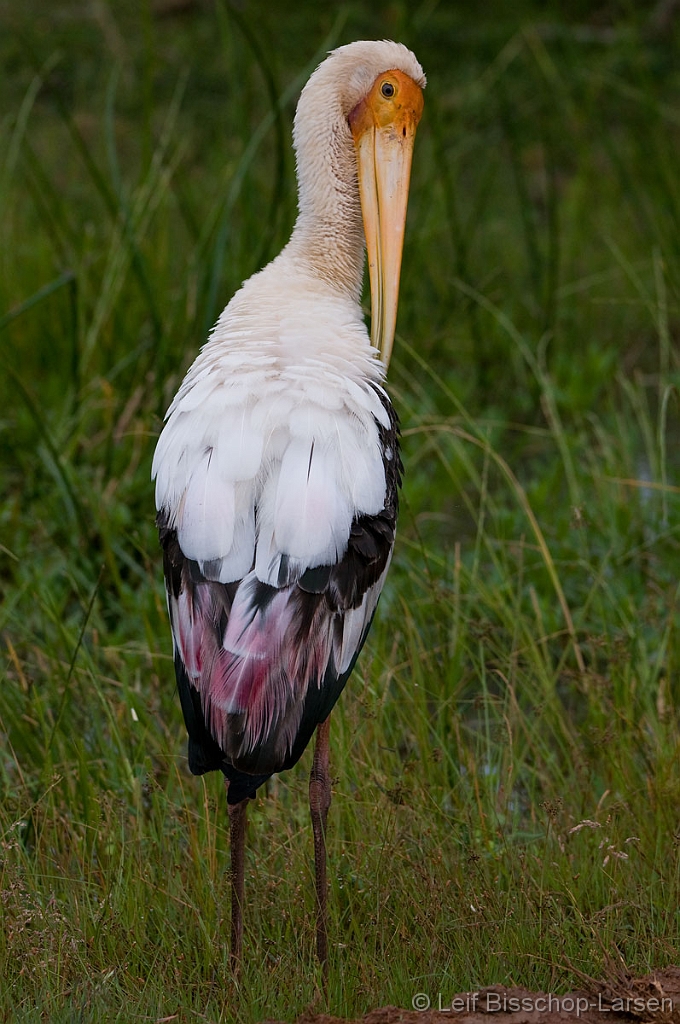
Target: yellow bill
point(383, 127)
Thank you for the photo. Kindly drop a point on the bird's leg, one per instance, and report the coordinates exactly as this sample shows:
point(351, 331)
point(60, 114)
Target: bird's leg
point(237, 839)
point(319, 802)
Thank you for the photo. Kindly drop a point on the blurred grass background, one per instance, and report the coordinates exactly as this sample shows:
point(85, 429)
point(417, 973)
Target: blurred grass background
point(506, 807)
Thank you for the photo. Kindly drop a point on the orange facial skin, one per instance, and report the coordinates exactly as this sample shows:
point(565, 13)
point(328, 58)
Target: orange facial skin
point(399, 112)
point(383, 127)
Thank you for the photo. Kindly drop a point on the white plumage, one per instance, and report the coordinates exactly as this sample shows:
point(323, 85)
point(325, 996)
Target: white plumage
point(278, 413)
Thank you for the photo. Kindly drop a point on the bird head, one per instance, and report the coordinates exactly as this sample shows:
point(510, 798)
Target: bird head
point(383, 126)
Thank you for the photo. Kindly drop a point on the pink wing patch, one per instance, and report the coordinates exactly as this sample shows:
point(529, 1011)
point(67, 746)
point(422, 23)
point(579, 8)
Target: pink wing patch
point(257, 670)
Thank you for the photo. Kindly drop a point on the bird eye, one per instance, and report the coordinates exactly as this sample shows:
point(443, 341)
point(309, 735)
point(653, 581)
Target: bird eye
point(387, 89)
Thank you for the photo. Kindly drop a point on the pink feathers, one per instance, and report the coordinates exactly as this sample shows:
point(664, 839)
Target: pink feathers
point(257, 665)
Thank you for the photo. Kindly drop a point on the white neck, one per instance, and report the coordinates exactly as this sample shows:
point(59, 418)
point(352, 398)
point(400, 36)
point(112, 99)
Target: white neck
point(328, 236)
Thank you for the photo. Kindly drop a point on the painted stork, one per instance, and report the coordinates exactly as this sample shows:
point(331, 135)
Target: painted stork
point(278, 466)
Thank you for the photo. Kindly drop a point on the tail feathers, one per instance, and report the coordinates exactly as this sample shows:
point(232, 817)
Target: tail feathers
point(241, 786)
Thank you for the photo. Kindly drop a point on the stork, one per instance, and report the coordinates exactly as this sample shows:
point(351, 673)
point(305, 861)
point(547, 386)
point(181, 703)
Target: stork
point(278, 466)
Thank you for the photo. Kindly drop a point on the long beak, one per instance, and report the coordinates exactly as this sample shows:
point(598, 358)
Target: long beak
point(384, 127)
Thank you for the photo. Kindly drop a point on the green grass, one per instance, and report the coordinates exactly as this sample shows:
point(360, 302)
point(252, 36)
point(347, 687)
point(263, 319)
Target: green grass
point(522, 676)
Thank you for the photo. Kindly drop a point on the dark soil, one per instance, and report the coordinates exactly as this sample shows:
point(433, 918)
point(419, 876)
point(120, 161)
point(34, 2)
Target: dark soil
point(654, 999)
